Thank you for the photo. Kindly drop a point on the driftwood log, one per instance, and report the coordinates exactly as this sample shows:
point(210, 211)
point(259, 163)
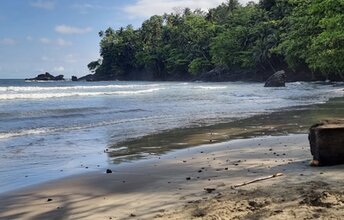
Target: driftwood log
point(258, 180)
point(327, 142)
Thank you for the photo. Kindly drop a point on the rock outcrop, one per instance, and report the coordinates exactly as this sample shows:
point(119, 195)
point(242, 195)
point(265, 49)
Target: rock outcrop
point(59, 77)
point(47, 77)
point(89, 77)
point(278, 79)
point(222, 74)
point(215, 75)
point(327, 142)
point(74, 78)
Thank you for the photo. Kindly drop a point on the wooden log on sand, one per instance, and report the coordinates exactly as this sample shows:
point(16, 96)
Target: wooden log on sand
point(258, 180)
point(327, 142)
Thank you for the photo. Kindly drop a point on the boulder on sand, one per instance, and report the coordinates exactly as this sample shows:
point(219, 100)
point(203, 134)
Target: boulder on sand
point(278, 79)
point(327, 142)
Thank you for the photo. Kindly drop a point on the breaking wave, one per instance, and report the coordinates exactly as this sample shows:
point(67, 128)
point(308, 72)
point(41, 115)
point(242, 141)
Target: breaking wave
point(12, 96)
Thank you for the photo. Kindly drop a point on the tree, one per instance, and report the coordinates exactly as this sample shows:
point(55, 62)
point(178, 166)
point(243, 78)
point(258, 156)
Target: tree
point(257, 38)
point(94, 65)
point(315, 36)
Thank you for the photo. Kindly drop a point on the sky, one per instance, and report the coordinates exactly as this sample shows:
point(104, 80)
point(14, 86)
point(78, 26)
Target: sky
point(61, 36)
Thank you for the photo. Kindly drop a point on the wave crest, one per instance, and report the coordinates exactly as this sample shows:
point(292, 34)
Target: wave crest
point(13, 96)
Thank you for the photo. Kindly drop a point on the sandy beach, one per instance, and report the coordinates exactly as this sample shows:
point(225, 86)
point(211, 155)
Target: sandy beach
point(171, 109)
point(172, 186)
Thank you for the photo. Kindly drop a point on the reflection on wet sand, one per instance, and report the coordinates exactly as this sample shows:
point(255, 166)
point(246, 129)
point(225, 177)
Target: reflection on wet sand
point(291, 120)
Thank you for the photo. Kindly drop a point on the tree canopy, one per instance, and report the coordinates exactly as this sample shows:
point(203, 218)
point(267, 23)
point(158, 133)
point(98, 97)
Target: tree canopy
point(258, 37)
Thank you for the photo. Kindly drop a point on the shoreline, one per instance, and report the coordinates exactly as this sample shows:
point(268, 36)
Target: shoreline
point(172, 185)
point(284, 121)
point(172, 175)
point(293, 120)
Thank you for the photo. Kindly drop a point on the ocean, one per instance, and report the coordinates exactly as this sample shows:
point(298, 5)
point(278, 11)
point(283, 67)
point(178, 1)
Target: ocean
point(50, 130)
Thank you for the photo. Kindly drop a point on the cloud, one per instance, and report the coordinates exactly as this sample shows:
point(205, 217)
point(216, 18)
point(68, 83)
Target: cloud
point(146, 8)
point(59, 69)
point(29, 38)
point(8, 41)
point(84, 8)
point(71, 58)
point(65, 29)
point(58, 42)
point(62, 42)
point(45, 40)
point(46, 59)
point(43, 4)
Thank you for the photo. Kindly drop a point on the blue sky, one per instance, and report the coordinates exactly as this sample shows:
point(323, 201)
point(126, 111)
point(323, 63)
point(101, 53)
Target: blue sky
point(61, 36)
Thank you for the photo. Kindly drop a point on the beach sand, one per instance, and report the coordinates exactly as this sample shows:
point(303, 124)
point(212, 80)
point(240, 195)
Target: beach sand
point(171, 186)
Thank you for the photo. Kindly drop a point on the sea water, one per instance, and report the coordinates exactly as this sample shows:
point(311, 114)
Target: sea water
point(50, 130)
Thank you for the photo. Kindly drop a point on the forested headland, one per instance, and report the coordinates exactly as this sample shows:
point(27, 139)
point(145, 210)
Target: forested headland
point(229, 42)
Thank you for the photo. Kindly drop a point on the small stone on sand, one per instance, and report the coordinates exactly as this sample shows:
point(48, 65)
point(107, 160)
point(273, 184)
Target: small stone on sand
point(108, 171)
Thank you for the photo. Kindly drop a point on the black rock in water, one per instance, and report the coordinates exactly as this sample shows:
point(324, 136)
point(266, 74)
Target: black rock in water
point(89, 77)
point(47, 77)
point(74, 78)
point(59, 77)
point(108, 171)
point(278, 79)
point(216, 75)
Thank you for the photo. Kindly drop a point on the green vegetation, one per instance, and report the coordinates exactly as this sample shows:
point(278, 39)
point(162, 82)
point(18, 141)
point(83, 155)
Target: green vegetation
point(296, 35)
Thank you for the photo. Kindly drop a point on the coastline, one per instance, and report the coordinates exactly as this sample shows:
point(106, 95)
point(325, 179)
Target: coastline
point(77, 140)
point(167, 179)
point(172, 185)
point(292, 120)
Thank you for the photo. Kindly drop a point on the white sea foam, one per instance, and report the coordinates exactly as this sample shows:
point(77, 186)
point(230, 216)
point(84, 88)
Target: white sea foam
point(47, 130)
point(63, 88)
point(211, 87)
point(12, 96)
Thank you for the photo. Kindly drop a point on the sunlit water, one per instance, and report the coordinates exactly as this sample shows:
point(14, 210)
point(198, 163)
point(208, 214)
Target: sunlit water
point(54, 129)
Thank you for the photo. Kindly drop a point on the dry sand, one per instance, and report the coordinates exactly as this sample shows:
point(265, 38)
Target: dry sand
point(172, 186)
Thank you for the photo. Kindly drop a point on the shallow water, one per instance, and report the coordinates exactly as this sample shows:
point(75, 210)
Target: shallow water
point(53, 129)
point(291, 120)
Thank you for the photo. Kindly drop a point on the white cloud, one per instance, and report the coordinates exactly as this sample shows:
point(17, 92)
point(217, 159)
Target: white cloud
point(29, 38)
point(44, 40)
point(46, 59)
point(43, 4)
point(84, 8)
point(58, 42)
point(146, 8)
point(65, 29)
point(62, 42)
point(8, 41)
point(71, 58)
point(59, 69)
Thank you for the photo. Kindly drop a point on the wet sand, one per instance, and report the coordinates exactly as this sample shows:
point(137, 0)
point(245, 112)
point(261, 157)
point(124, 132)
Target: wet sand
point(171, 186)
point(294, 120)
